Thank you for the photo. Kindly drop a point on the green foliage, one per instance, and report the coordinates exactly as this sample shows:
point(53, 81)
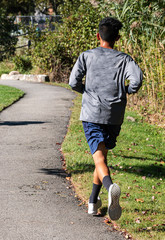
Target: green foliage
point(140, 18)
point(6, 67)
point(22, 63)
point(7, 40)
point(28, 6)
point(18, 6)
point(57, 51)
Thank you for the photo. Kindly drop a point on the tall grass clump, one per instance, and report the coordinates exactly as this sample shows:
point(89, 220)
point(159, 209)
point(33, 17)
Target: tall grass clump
point(151, 97)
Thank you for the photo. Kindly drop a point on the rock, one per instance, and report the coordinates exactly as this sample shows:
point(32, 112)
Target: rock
point(26, 77)
point(13, 73)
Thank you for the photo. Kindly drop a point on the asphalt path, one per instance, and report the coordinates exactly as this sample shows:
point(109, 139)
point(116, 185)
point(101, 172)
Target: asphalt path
point(36, 200)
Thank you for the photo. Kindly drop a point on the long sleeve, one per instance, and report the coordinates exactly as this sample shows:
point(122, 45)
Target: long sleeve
point(134, 74)
point(77, 74)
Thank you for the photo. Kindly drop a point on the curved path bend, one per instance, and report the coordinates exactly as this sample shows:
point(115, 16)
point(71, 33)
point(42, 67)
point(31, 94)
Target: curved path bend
point(36, 202)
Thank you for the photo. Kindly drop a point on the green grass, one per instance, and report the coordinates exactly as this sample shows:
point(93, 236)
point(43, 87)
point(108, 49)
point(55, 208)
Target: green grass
point(9, 95)
point(136, 164)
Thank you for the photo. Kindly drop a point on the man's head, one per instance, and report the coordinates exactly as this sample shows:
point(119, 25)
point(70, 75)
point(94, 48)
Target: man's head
point(109, 29)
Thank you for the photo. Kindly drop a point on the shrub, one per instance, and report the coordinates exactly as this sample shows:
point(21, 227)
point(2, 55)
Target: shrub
point(7, 40)
point(22, 63)
point(57, 51)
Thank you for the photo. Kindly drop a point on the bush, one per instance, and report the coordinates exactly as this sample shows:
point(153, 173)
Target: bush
point(7, 40)
point(22, 63)
point(57, 51)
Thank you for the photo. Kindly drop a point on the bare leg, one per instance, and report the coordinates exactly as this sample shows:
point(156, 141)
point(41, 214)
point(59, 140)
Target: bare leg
point(100, 159)
point(96, 179)
point(97, 183)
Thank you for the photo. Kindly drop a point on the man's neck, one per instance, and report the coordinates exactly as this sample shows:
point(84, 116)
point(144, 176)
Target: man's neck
point(105, 44)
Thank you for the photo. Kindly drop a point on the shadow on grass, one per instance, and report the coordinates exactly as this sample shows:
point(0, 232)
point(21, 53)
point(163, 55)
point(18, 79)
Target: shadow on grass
point(151, 170)
point(157, 228)
point(79, 168)
point(158, 157)
point(143, 170)
point(19, 123)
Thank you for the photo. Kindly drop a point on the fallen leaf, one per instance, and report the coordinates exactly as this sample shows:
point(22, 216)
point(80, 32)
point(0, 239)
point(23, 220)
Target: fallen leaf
point(144, 212)
point(154, 213)
point(37, 187)
point(115, 225)
point(149, 228)
point(87, 152)
point(138, 220)
point(113, 174)
point(151, 146)
point(127, 236)
point(44, 182)
point(162, 162)
point(107, 221)
point(68, 178)
point(134, 144)
point(139, 200)
point(58, 143)
point(80, 204)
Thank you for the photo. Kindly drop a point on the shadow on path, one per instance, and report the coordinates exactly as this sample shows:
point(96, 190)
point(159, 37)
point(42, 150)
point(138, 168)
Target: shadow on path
point(56, 171)
point(17, 123)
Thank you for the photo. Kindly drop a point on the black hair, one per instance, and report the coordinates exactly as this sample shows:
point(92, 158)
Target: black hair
point(109, 28)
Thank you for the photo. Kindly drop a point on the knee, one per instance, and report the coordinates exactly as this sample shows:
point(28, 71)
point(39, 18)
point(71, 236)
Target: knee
point(99, 161)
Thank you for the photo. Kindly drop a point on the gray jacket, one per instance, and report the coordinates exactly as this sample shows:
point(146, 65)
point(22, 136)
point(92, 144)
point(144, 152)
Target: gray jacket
point(104, 92)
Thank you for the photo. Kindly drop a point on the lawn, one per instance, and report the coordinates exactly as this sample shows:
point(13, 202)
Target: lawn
point(9, 95)
point(137, 164)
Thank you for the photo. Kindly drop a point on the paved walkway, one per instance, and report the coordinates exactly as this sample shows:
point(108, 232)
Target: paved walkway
point(35, 201)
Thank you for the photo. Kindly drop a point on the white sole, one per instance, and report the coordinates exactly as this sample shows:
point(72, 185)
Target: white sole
point(114, 209)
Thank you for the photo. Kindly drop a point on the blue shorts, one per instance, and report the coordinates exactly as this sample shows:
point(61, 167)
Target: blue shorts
point(96, 133)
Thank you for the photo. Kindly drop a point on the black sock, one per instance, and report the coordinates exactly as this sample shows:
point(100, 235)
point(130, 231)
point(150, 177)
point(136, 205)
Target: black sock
point(107, 181)
point(95, 192)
